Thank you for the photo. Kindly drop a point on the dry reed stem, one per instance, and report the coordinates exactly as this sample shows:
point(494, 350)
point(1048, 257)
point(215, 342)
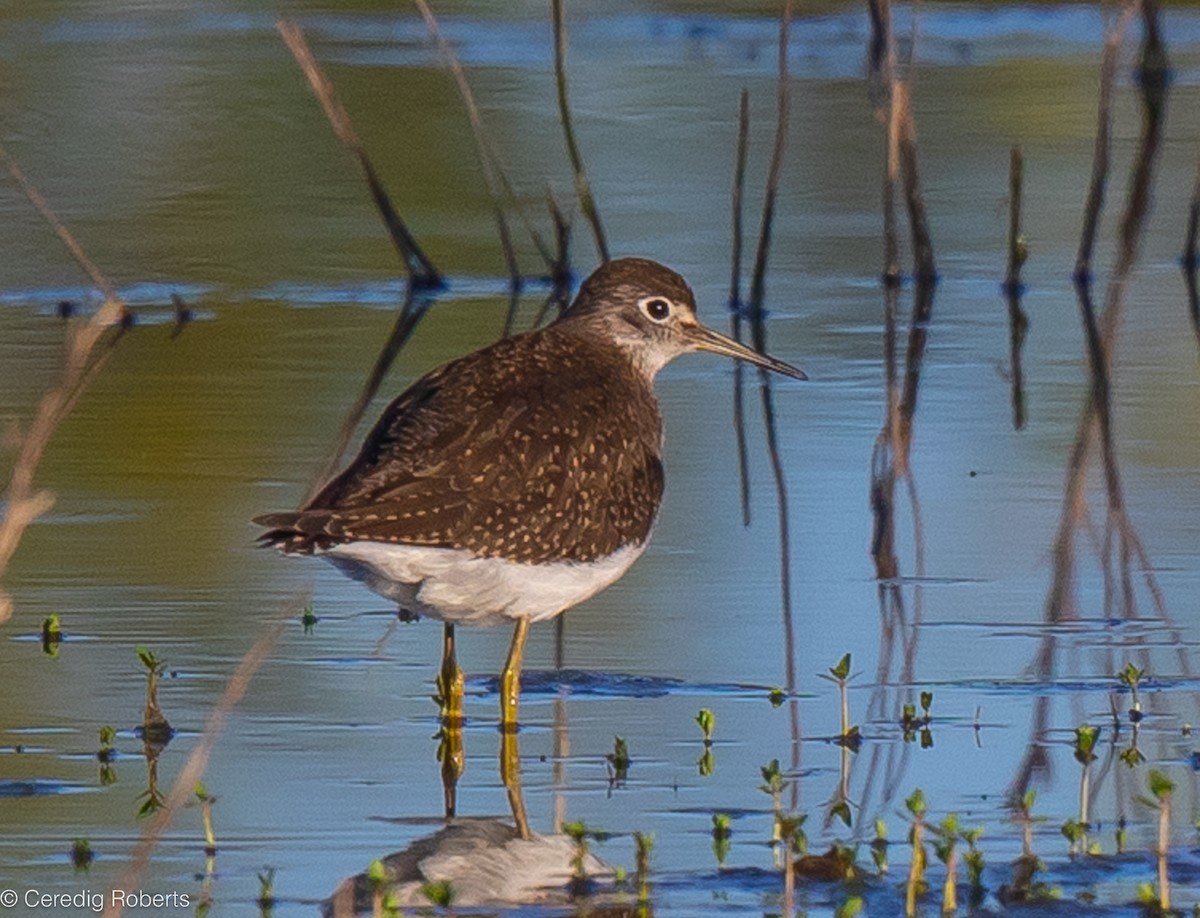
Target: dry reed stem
point(422, 273)
point(1191, 258)
point(1018, 321)
point(583, 187)
point(494, 174)
point(88, 345)
point(193, 768)
point(411, 312)
point(735, 302)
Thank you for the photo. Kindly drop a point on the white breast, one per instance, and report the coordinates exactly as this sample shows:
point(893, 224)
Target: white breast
point(453, 585)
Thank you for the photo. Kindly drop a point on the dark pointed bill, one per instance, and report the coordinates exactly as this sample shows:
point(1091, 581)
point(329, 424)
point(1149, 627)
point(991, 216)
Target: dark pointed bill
point(706, 339)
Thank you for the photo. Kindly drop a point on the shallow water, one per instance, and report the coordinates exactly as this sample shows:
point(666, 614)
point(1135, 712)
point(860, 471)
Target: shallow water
point(182, 146)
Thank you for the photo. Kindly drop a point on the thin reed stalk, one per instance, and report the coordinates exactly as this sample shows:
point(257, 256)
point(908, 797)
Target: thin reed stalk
point(735, 302)
point(1018, 321)
point(583, 187)
point(421, 272)
point(193, 769)
point(89, 343)
point(494, 175)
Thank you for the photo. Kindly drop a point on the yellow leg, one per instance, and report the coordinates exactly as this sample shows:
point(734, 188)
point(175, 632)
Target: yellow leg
point(450, 682)
point(510, 774)
point(510, 679)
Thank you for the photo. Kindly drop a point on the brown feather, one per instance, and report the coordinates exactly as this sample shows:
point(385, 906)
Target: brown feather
point(541, 447)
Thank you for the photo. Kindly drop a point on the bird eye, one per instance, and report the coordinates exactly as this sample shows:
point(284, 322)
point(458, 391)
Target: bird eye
point(656, 308)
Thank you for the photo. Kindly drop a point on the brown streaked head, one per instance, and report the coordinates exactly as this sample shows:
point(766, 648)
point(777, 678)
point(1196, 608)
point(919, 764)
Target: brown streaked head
point(650, 311)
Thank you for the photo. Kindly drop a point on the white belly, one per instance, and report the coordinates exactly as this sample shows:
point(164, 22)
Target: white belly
point(452, 585)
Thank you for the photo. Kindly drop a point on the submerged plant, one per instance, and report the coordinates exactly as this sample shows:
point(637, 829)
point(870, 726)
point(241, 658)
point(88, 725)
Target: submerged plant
point(1086, 737)
point(1161, 789)
point(51, 634)
point(879, 847)
point(706, 720)
point(82, 854)
point(1025, 886)
point(773, 785)
point(308, 619)
point(1130, 677)
point(852, 907)
point(915, 886)
point(579, 833)
point(206, 801)
point(839, 674)
point(383, 903)
point(618, 762)
point(266, 888)
point(721, 834)
point(643, 845)
point(105, 755)
point(912, 723)
point(440, 893)
point(155, 726)
point(973, 859)
point(945, 847)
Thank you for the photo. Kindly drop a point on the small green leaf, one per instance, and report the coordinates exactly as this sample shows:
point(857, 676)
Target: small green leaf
point(841, 810)
point(376, 873)
point(1160, 785)
point(850, 908)
point(440, 894)
point(842, 670)
point(916, 802)
point(926, 702)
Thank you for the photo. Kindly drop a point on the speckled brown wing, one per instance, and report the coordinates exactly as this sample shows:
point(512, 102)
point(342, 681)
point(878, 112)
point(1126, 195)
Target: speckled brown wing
point(534, 449)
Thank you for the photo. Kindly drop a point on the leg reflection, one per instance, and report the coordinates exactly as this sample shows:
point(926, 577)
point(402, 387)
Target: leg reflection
point(450, 681)
point(510, 774)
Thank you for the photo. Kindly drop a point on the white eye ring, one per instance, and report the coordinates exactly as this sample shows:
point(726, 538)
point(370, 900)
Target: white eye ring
point(656, 308)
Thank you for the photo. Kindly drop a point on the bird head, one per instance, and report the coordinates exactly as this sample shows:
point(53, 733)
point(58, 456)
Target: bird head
point(650, 311)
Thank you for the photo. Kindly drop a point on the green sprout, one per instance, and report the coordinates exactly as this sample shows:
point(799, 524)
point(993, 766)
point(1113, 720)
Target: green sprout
point(51, 634)
point(618, 762)
point(851, 908)
point(206, 801)
point(945, 846)
point(644, 844)
point(839, 674)
point(1086, 737)
point(309, 619)
point(1161, 789)
point(439, 893)
point(706, 720)
point(879, 847)
point(774, 785)
point(1130, 677)
point(1025, 886)
point(721, 834)
point(915, 886)
point(579, 833)
point(155, 727)
point(82, 854)
point(266, 889)
point(105, 755)
point(973, 859)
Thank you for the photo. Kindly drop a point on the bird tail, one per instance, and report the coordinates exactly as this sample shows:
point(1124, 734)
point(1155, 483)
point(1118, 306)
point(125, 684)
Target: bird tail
point(292, 533)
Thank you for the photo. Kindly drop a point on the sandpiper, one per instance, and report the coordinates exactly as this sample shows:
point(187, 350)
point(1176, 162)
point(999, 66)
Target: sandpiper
point(515, 482)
